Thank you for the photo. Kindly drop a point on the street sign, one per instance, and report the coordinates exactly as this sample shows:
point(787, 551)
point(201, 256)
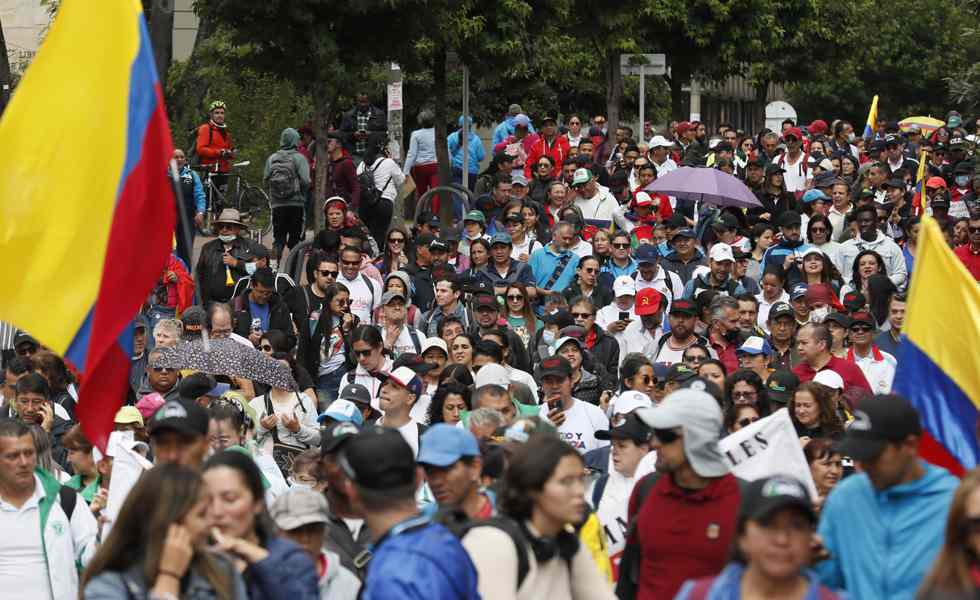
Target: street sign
point(651, 64)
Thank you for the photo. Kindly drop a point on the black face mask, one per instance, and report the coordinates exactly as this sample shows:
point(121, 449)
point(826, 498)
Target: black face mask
point(731, 336)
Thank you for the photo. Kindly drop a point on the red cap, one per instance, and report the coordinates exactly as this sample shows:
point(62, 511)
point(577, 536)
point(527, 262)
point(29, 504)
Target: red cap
point(817, 127)
point(936, 183)
point(683, 127)
point(648, 301)
point(793, 131)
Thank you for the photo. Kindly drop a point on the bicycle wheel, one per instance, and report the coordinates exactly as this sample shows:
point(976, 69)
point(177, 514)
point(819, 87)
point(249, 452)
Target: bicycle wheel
point(255, 204)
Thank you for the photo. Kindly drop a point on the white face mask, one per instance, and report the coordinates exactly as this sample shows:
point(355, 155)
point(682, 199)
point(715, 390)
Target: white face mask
point(250, 267)
point(227, 238)
point(298, 485)
point(962, 180)
point(851, 137)
point(548, 337)
point(819, 315)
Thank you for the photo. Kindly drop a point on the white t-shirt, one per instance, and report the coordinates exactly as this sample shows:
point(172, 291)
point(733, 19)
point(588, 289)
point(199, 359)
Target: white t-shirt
point(796, 174)
point(409, 431)
point(879, 373)
point(599, 207)
point(404, 342)
point(22, 563)
point(582, 420)
point(528, 247)
point(582, 249)
point(363, 296)
point(372, 383)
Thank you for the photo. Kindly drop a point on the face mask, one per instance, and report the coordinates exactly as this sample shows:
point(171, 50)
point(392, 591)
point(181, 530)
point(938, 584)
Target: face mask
point(298, 485)
point(250, 268)
point(851, 137)
point(962, 180)
point(548, 337)
point(818, 315)
point(227, 238)
point(732, 336)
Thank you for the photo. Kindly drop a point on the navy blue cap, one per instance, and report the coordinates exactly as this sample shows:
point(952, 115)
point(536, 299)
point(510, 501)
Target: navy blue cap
point(646, 253)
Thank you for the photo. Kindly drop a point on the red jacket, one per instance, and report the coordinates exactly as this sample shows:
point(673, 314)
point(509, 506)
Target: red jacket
point(343, 182)
point(848, 371)
point(726, 354)
point(970, 259)
point(211, 140)
point(558, 151)
point(682, 534)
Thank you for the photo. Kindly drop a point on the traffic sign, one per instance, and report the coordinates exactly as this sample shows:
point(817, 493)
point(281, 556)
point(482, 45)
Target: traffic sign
point(651, 64)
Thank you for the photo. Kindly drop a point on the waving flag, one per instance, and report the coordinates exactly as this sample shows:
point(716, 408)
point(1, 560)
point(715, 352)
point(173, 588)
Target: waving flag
point(86, 211)
point(918, 203)
point(939, 367)
point(872, 124)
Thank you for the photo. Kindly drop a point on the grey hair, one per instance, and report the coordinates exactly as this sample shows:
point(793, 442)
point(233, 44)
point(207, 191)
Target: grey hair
point(772, 135)
point(719, 305)
point(483, 417)
point(173, 325)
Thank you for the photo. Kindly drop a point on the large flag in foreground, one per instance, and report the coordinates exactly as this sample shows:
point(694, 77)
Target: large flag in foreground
point(86, 211)
point(939, 362)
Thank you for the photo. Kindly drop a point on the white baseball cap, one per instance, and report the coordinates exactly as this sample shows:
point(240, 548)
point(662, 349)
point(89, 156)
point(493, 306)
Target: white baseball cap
point(629, 401)
point(721, 252)
point(660, 141)
point(434, 342)
point(492, 374)
point(829, 378)
point(624, 286)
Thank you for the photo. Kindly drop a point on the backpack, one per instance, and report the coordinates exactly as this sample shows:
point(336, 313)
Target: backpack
point(192, 156)
point(459, 525)
point(283, 178)
point(371, 194)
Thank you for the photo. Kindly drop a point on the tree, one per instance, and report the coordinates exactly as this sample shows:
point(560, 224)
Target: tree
point(161, 26)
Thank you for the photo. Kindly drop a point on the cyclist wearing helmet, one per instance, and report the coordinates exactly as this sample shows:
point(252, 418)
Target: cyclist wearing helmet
point(214, 146)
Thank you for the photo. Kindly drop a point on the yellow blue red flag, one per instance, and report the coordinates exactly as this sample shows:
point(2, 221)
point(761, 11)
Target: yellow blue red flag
point(86, 210)
point(939, 366)
point(872, 124)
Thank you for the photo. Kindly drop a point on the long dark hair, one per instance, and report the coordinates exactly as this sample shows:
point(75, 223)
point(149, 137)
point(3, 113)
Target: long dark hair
point(252, 478)
point(880, 290)
point(439, 400)
point(332, 290)
point(856, 271)
point(456, 372)
point(386, 263)
point(632, 363)
point(752, 378)
point(531, 466)
point(164, 495)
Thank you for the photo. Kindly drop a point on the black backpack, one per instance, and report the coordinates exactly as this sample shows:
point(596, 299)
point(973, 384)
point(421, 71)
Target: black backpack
point(370, 192)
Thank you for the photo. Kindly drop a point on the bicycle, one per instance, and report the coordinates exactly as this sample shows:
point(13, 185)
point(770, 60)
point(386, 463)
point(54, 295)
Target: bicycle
point(251, 201)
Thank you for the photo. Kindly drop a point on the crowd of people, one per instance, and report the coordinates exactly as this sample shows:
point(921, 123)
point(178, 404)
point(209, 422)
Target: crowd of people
point(527, 402)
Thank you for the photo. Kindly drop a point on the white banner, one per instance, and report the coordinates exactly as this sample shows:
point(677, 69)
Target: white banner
point(767, 447)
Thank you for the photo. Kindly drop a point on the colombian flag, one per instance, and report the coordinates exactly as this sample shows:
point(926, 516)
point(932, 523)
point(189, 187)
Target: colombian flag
point(86, 210)
point(872, 124)
point(939, 366)
point(918, 202)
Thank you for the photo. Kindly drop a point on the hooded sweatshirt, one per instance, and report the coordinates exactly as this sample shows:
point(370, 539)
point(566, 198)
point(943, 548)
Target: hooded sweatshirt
point(885, 247)
point(476, 151)
point(288, 147)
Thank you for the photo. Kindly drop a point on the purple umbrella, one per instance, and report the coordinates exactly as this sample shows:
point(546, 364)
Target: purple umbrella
point(706, 185)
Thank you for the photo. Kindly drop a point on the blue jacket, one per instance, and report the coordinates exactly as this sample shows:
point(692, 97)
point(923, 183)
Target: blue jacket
point(882, 543)
point(190, 179)
point(418, 560)
point(776, 255)
point(477, 154)
point(727, 585)
point(287, 573)
point(506, 129)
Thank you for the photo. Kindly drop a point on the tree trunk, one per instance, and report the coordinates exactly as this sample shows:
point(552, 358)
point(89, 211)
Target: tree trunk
point(680, 75)
point(442, 149)
point(5, 81)
point(614, 91)
point(759, 106)
point(162, 36)
point(322, 105)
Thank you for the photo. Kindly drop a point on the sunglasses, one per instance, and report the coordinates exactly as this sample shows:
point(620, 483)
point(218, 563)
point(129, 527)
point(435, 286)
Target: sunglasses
point(592, 270)
point(327, 273)
point(397, 240)
point(860, 329)
point(581, 315)
point(744, 395)
point(696, 359)
point(163, 369)
point(27, 351)
point(746, 421)
point(974, 229)
point(666, 436)
point(621, 246)
point(545, 165)
point(646, 379)
point(515, 297)
point(363, 353)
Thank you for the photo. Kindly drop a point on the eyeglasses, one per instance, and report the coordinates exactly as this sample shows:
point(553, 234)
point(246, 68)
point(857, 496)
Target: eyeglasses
point(974, 229)
point(666, 436)
point(396, 240)
point(860, 328)
point(363, 353)
point(746, 421)
point(515, 297)
point(163, 369)
point(265, 348)
point(696, 359)
point(744, 395)
point(342, 301)
point(621, 246)
point(327, 273)
point(646, 379)
point(351, 263)
point(581, 315)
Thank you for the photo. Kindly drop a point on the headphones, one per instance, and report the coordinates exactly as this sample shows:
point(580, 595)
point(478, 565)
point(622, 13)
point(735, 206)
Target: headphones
point(564, 545)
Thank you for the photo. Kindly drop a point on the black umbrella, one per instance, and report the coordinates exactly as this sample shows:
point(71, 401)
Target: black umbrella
point(230, 358)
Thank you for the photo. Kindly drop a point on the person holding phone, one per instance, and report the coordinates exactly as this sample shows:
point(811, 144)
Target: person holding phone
point(577, 421)
point(613, 318)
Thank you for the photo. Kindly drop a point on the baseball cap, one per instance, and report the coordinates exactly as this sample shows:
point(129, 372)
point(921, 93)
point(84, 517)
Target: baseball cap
point(632, 428)
point(23, 337)
point(683, 127)
point(298, 507)
point(628, 401)
point(624, 286)
point(953, 119)
point(892, 140)
point(561, 317)
point(438, 244)
point(128, 414)
point(391, 295)
point(522, 120)
point(773, 168)
point(793, 132)
point(199, 384)
point(684, 307)
point(877, 421)
point(789, 218)
point(513, 218)
point(829, 378)
point(485, 301)
point(646, 253)
point(679, 372)
point(754, 161)
point(475, 215)
point(814, 195)
point(839, 318)
point(685, 232)
point(501, 238)
point(492, 374)
point(443, 445)
point(781, 385)
point(642, 199)
point(895, 182)
point(755, 346)
point(518, 179)
point(568, 338)
point(817, 127)
point(697, 413)
point(182, 416)
point(725, 221)
point(193, 319)
point(660, 141)
point(798, 291)
point(721, 252)
point(336, 435)
point(853, 301)
point(936, 183)
point(434, 342)
point(556, 365)
point(378, 458)
point(343, 411)
point(581, 177)
point(648, 301)
point(404, 377)
point(781, 309)
point(356, 393)
point(864, 318)
point(763, 498)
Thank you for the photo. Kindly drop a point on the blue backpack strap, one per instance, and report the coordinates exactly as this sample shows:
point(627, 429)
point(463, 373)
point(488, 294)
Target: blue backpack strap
point(598, 489)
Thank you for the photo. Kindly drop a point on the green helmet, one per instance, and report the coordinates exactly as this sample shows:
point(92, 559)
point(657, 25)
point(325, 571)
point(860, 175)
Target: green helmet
point(217, 104)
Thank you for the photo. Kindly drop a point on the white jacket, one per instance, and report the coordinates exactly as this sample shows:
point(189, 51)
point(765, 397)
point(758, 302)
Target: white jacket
point(69, 543)
point(884, 246)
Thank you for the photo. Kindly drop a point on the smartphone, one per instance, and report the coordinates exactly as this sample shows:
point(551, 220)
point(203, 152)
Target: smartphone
point(624, 315)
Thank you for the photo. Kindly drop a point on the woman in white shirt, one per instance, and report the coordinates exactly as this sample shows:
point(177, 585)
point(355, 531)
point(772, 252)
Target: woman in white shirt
point(388, 179)
point(285, 415)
